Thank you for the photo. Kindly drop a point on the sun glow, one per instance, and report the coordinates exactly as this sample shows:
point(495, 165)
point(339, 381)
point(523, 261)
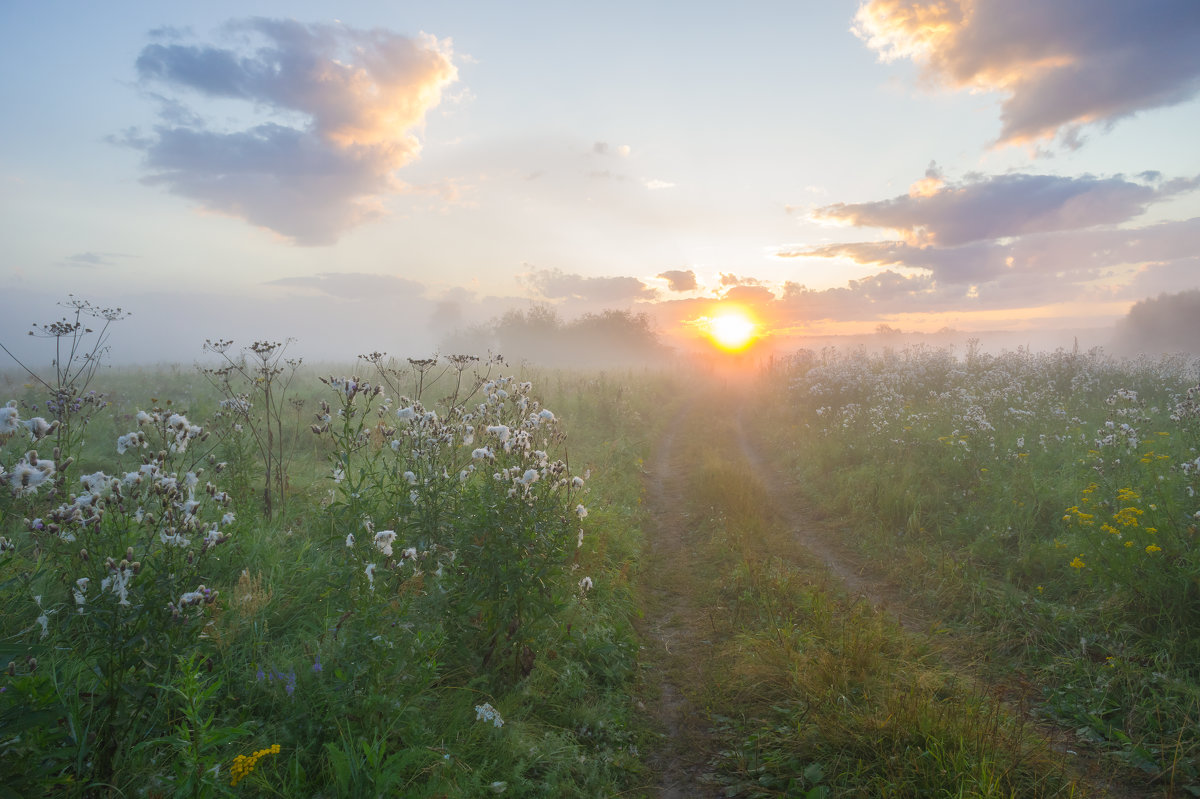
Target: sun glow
point(732, 330)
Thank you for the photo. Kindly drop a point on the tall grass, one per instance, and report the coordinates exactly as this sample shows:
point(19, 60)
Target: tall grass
point(1045, 502)
point(434, 602)
point(820, 694)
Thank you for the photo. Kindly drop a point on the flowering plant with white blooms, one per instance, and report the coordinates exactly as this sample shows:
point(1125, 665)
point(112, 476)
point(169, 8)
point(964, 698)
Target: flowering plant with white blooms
point(472, 512)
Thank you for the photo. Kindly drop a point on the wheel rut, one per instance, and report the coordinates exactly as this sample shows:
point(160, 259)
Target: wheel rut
point(672, 629)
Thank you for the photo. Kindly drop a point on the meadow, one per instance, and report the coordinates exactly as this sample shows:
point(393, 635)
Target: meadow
point(434, 577)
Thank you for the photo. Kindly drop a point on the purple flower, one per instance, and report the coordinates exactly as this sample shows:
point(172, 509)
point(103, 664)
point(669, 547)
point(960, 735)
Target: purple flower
point(317, 668)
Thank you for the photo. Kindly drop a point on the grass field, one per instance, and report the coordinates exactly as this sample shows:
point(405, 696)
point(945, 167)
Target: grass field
point(423, 578)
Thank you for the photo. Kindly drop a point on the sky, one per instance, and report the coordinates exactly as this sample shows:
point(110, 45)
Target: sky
point(374, 175)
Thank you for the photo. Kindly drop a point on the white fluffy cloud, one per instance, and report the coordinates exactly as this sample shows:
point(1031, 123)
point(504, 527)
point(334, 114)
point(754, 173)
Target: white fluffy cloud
point(341, 108)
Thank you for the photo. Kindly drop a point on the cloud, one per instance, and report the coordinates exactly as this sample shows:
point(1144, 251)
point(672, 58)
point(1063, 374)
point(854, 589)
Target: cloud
point(603, 148)
point(1062, 64)
point(554, 284)
point(342, 105)
point(353, 285)
point(749, 295)
point(655, 184)
point(679, 280)
point(992, 207)
point(730, 279)
point(92, 259)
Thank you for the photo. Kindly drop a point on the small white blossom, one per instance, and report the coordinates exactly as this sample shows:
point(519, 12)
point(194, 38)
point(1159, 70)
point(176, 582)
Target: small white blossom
point(383, 541)
point(486, 712)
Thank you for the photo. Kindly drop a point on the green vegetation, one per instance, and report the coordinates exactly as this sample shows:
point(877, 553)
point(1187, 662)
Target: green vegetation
point(818, 693)
point(442, 610)
point(421, 578)
point(1045, 504)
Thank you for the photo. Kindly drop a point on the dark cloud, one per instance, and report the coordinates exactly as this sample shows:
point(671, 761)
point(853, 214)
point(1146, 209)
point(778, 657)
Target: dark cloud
point(354, 285)
point(554, 284)
point(1062, 64)
point(679, 279)
point(359, 95)
point(972, 263)
point(997, 206)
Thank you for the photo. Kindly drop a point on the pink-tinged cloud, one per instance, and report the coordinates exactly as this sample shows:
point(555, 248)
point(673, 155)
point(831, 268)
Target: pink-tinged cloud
point(991, 207)
point(359, 95)
point(679, 279)
point(1063, 64)
point(554, 284)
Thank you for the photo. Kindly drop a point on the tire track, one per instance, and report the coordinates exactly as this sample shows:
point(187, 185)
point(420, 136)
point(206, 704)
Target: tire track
point(670, 627)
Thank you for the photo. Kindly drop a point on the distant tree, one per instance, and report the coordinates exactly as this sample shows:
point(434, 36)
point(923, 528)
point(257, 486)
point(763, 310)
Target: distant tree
point(607, 338)
point(1166, 323)
point(533, 334)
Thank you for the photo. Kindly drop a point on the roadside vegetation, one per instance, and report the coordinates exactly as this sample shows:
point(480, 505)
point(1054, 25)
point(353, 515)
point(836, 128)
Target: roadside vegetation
point(1043, 506)
point(404, 578)
point(440, 577)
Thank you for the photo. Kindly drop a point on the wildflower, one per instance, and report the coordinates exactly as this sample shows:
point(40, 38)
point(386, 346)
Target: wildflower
point(10, 420)
point(44, 618)
point(585, 584)
point(39, 428)
point(339, 475)
point(383, 541)
point(1077, 563)
point(486, 712)
point(370, 572)
point(30, 472)
point(317, 667)
point(411, 478)
point(118, 582)
point(581, 511)
point(243, 766)
point(1152, 548)
point(128, 440)
point(546, 415)
point(406, 414)
point(349, 540)
point(530, 476)
point(482, 453)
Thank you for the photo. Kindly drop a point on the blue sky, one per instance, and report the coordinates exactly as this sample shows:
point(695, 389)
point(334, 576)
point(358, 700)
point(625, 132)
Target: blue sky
point(370, 175)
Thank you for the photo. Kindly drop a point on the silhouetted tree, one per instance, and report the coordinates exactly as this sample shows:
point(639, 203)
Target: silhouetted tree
point(1166, 323)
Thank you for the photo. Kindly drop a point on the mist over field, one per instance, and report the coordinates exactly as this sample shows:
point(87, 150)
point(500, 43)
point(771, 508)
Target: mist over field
point(462, 399)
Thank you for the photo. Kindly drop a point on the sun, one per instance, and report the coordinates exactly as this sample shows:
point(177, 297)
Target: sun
point(732, 330)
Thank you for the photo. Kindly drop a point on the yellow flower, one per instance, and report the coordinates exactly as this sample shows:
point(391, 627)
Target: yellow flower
point(1152, 548)
point(1129, 545)
point(243, 766)
point(1078, 563)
